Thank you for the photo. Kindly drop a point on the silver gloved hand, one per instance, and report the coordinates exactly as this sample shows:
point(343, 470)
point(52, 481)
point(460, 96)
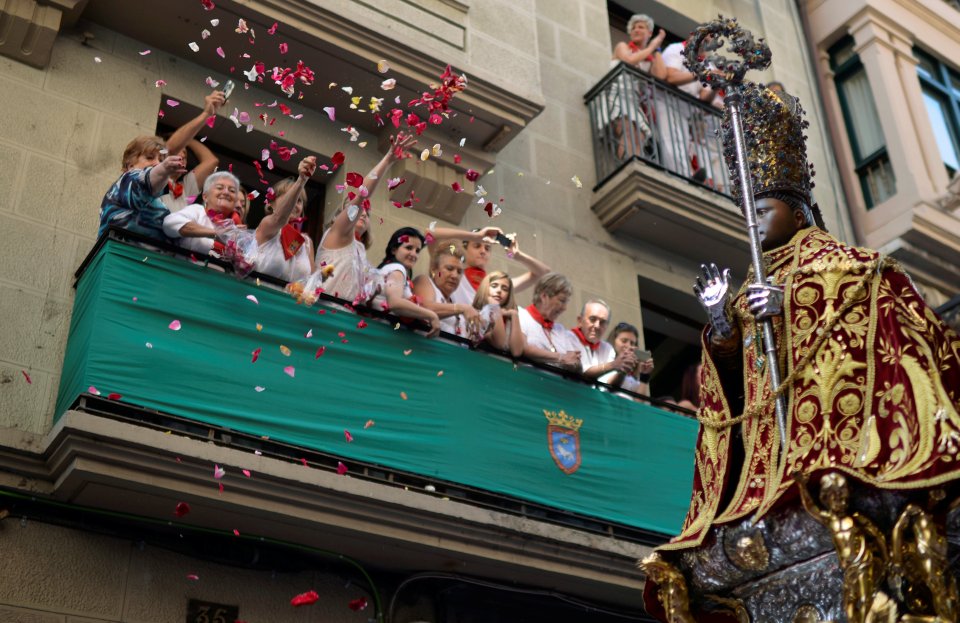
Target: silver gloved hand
point(764, 301)
point(713, 291)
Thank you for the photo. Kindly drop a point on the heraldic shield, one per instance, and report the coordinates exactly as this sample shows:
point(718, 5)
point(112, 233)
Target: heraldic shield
point(563, 438)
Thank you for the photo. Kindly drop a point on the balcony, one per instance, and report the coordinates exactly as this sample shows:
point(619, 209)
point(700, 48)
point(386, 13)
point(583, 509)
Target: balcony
point(443, 450)
point(660, 170)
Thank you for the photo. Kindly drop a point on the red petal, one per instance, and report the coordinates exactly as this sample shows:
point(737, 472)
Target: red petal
point(457, 188)
point(357, 604)
point(181, 509)
point(456, 158)
point(27, 376)
point(256, 355)
point(341, 468)
point(305, 599)
point(362, 324)
point(338, 158)
point(472, 175)
point(114, 396)
point(347, 436)
point(320, 352)
point(354, 179)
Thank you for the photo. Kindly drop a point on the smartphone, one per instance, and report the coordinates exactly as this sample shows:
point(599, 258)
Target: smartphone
point(642, 355)
point(228, 87)
point(503, 240)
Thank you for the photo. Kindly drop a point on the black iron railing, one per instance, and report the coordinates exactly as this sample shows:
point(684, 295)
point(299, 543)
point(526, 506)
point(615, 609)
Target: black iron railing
point(633, 115)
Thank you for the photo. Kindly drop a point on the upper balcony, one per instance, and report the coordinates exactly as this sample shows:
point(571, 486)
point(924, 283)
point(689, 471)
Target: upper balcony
point(359, 435)
point(660, 170)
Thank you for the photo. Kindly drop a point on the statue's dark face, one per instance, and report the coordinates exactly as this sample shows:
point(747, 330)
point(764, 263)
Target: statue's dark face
point(777, 222)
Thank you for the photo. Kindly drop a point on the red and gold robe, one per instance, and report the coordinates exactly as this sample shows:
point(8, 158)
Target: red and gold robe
point(872, 379)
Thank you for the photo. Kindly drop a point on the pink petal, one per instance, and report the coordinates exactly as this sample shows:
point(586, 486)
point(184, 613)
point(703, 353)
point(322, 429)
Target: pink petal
point(218, 472)
point(331, 112)
point(283, 48)
point(236, 532)
point(175, 325)
point(246, 472)
point(160, 83)
point(290, 371)
point(253, 299)
point(93, 390)
point(221, 53)
point(193, 576)
point(211, 119)
point(144, 52)
point(172, 103)
point(347, 436)
point(341, 468)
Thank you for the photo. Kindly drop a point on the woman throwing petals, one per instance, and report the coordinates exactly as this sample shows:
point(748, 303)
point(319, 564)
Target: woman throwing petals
point(284, 251)
point(345, 242)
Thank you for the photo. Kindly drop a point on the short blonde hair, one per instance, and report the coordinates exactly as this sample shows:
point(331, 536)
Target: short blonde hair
point(283, 187)
point(445, 248)
point(141, 146)
point(483, 291)
point(640, 17)
point(552, 284)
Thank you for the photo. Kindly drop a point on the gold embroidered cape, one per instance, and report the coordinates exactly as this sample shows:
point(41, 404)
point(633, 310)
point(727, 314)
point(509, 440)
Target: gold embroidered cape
point(871, 376)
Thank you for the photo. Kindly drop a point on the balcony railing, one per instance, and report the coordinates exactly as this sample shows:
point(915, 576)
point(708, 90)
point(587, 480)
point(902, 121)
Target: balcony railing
point(633, 115)
point(154, 333)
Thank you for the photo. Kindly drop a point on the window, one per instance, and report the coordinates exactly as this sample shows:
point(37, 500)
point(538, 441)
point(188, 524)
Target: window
point(941, 96)
point(864, 131)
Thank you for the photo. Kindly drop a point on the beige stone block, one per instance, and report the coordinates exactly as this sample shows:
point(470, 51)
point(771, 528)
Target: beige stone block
point(546, 37)
point(597, 24)
point(20, 311)
point(11, 166)
point(563, 12)
point(578, 133)
point(35, 118)
point(63, 195)
point(511, 27)
point(127, 90)
point(487, 52)
point(113, 135)
point(19, 615)
point(519, 153)
point(79, 142)
point(23, 405)
point(587, 57)
point(560, 164)
point(562, 86)
point(64, 570)
point(549, 123)
point(20, 252)
point(16, 70)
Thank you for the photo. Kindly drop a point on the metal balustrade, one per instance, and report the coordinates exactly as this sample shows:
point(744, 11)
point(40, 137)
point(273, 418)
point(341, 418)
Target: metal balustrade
point(633, 115)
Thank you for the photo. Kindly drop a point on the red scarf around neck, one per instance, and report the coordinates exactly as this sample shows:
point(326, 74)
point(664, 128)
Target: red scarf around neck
point(216, 216)
point(474, 275)
point(175, 189)
point(535, 314)
point(583, 339)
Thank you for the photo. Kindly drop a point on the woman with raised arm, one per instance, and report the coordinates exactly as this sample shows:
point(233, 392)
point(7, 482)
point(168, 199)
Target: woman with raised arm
point(396, 269)
point(345, 242)
point(284, 252)
point(496, 292)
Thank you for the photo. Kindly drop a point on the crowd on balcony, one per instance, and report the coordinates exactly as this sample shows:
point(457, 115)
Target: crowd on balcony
point(203, 211)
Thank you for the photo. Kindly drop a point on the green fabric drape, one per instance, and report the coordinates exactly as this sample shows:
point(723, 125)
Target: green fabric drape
point(479, 423)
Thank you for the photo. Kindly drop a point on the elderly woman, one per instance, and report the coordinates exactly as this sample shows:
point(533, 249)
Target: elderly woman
point(630, 111)
point(435, 291)
point(194, 227)
point(636, 378)
point(283, 251)
point(133, 202)
point(496, 291)
point(345, 242)
point(547, 340)
point(397, 296)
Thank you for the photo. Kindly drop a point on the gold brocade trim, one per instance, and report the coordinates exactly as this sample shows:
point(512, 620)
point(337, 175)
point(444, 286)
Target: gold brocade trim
point(872, 269)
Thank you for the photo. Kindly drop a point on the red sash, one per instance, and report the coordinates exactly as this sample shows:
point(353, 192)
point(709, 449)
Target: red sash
point(535, 314)
point(583, 339)
point(474, 275)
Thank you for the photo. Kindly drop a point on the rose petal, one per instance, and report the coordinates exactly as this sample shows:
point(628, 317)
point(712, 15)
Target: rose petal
point(181, 509)
point(145, 52)
point(114, 396)
point(193, 576)
point(27, 377)
point(256, 355)
point(341, 468)
point(320, 352)
point(403, 395)
point(305, 599)
point(193, 46)
point(576, 181)
point(218, 472)
point(246, 472)
point(236, 532)
point(357, 604)
point(368, 424)
point(93, 390)
point(284, 350)
point(362, 324)
point(283, 48)
point(388, 84)
point(160, 83)
point(383, 67)
point(331, 112)
point(221, 53)
point(348, 436)
point(290, 371)
point(259, 389)
point(210, 120)
point(175, 325)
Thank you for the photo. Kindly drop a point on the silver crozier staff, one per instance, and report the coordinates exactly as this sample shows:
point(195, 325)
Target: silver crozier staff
point(720, 73)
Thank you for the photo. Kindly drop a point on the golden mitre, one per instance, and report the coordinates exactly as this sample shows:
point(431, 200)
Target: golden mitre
point(773, 129)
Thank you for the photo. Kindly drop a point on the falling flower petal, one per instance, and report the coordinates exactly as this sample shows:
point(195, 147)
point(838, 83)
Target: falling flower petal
point(208, 5)
point(383, 67)
point(93, 390)
point(403, 395)
point(259, 389)
point(457, 188)
point(181, 509)
point(472, 175)
point(388, 84)
point(27, 377)
point(114, 396)
point(236, 532)
point(221, 53)
point(347, 90)
point(160, 83)
point(145, 52)
point(204, 33)
point(290, 371)
point(259, 327)
point(357, 604)
point(283, 48)
point(256, 355)
point(440, 373)
point(305, 599)
point(172, 103)
point(210, 120)
point(368, 424)
point(193, 576)
point(331, 112)
point(347, 436)
point(407, 352)
point(218, 472)
point(284, 350)
point(341, 468)
point(175, 325)
point(273, 29)
point(320, 352)
point(193, 46)
point(576, 181)
point(246, 472)
point(362, 324)
point(215, 22)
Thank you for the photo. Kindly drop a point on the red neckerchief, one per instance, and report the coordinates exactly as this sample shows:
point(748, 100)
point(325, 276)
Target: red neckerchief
point(633, 46)
point(474, 275)
point(535, 314)
point(583, 339)
point(175, 189)
point(220, 216)
point(290, 241)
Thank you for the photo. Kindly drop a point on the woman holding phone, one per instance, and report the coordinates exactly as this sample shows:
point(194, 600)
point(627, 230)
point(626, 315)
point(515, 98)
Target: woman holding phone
point(624, 338)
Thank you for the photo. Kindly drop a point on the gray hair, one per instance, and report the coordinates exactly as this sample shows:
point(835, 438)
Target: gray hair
point(640, 17)
point(552, 284)
point(583, 310)
point(217, 175)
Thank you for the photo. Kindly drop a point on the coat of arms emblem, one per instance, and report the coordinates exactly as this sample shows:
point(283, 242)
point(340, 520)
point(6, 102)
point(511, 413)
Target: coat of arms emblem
point(563, 438)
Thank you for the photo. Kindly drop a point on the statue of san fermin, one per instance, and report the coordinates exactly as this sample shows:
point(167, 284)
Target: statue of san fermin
point(826, 468)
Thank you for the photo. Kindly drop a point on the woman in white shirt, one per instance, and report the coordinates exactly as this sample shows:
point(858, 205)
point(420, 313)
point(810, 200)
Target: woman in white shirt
point(624, 337)
point(284, 252)
point(496, 291)
point(194, 226)
point(396, 269)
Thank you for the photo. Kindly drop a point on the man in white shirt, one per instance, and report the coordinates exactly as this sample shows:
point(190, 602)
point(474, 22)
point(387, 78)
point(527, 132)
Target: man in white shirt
point(598, 357)
point(547, 340)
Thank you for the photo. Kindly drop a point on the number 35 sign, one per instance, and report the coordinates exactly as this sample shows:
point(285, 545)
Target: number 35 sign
point(206, 612)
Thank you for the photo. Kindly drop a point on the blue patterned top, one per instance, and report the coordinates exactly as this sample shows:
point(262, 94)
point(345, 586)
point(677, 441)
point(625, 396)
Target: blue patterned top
point(131, 204)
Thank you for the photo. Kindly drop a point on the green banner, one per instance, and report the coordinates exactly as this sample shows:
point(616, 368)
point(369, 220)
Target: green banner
point(179, 337)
